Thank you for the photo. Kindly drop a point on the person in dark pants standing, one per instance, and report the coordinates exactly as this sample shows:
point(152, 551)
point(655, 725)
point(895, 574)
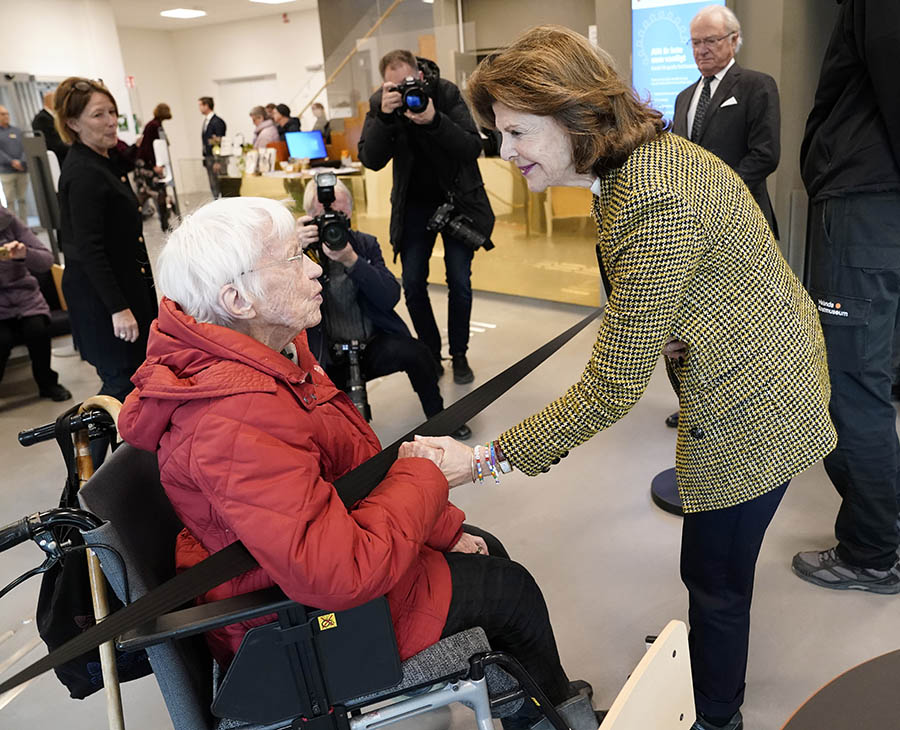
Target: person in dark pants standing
point(435, 156)
point(107, 281)
point(213, 130)
point(24, 314)
point(359, 296)
point(850, 160)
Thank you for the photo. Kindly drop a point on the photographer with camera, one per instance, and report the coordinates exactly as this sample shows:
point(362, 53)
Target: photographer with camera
point(421, 122)
point(361, 336)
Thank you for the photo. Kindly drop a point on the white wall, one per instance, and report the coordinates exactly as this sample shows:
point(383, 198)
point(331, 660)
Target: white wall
point(53, 39)
point(179, 66)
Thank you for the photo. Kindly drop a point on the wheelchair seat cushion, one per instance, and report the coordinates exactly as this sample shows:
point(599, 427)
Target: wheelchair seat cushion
point(447, 657)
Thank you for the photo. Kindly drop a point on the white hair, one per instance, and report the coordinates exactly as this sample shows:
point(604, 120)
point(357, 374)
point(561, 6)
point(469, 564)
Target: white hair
point(216, 245)
point(728, 18)
point(309, 195)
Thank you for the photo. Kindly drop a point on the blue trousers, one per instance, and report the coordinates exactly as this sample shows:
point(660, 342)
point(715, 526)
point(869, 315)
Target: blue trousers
point(718, 565)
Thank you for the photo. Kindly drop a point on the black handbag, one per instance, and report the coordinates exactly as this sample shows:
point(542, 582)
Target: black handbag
point(65, 608)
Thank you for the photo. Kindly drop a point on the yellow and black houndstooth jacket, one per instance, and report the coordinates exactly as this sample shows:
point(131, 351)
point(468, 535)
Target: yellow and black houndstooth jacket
point(689, 255)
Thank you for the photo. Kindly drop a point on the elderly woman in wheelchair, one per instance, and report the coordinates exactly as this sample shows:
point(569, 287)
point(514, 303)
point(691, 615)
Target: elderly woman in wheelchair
point(250, 435)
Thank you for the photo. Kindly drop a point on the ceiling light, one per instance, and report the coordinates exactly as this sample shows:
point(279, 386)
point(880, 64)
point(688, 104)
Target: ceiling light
point(183, 13)
point(428, 2)
point(271, 2)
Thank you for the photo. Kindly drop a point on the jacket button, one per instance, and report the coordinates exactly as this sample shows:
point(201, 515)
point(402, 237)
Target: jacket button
point(697, 432)
point(555, 461)
point(124, 179)
point(141, 239)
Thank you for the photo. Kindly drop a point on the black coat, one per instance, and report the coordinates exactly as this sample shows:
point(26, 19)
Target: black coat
point(215, 128)
point(746, 135)
point(455, 147)
point(107, 268)
point(44, 123)
point(852, 141)
point(291, 125)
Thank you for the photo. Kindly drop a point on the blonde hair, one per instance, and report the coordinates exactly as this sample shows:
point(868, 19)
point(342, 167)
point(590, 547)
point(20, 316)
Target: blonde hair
point(553, 71)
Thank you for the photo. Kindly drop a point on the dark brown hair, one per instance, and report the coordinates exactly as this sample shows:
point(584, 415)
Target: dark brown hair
point(70, 99)
point(208, 100)
point(162, 112)
point(395, 58)
point(553, 71)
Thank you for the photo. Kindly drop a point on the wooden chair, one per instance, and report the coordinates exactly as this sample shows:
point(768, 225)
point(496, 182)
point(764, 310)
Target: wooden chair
point(659, 694)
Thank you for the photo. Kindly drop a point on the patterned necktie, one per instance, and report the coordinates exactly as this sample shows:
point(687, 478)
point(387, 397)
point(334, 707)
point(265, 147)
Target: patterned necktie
point(702, 104)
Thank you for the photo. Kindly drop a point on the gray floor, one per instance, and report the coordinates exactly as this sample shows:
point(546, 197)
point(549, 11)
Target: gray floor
point(606, 558)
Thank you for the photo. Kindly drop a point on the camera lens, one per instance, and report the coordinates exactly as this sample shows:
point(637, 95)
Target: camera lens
point(334, 234)
point(416, 101)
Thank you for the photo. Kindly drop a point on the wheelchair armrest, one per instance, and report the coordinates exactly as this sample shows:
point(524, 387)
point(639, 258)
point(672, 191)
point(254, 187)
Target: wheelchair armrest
point(200, 619)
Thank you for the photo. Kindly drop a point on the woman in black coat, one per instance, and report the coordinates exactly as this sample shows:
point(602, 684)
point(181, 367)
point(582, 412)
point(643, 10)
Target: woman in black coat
point(107, 281)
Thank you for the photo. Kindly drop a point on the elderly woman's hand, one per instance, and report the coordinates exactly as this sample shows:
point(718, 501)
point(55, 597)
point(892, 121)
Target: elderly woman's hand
point(470, 544)
point(414, 449)
point(457, 461)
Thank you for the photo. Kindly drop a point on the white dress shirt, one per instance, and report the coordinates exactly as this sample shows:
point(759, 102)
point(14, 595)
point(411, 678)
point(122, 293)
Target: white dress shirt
point(206, 119)
point(713, 85)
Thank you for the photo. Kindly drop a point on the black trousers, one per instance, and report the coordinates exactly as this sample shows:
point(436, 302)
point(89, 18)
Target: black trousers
point(389, 353)
point(34, 332)
point(415, 256)
point(502, 597)
point(213, 176)
point(854, 280)
point(718, 564)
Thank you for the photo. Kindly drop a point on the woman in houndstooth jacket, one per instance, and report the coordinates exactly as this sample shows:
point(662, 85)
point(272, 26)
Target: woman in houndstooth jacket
point(690, 266)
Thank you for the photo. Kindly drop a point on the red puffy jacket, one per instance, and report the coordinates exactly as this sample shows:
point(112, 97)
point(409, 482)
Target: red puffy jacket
point(248, 443)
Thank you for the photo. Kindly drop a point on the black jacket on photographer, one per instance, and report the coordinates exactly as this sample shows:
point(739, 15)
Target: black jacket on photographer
point(377, 294)
point(430, 160)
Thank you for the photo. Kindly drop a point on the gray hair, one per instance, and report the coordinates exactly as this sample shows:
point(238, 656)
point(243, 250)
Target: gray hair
point(309, 195)
point(215, 246)
point(728, 18)
point(258, 111)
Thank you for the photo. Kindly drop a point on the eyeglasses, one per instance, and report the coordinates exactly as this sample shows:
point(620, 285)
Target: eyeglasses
point(708, 42)
point(291, 259)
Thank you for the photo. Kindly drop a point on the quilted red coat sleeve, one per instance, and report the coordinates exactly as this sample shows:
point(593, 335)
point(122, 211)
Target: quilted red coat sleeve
point(296, 526)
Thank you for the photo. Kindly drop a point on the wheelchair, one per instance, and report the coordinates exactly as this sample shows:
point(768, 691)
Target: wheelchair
point(308, 668)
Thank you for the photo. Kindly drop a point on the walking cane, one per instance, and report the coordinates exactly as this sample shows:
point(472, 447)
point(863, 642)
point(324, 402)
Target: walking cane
point(85, 465)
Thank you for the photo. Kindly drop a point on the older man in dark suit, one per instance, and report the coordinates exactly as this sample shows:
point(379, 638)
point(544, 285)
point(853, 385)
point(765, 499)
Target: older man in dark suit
point(731, 111)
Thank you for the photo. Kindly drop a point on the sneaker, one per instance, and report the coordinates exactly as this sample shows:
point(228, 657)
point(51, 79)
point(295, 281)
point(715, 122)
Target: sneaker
point(826, 569)
point(463, 433)
point(462, 373)
point(735, 723)
point(56, 393)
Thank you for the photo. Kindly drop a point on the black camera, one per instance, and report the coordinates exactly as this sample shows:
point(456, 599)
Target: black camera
point(461, 227)
point(415, 95)
point(334, 226)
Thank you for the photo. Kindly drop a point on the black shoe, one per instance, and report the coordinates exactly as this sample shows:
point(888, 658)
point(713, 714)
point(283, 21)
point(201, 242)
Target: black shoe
point(462, 433)
point(56, 393)
point(581, 687)
point(735, 723)
point(462, 373)
point(672, 421)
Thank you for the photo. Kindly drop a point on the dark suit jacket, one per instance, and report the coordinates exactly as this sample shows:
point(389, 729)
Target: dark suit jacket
point(215, 128)
point(44, 123)
point(746, 135)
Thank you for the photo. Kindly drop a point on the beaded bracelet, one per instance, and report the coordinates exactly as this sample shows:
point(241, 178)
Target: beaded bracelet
point(478, 464)
point(489, 450)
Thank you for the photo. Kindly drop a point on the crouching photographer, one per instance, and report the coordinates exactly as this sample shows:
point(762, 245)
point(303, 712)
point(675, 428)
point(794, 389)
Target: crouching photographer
point(360, 334)
point(421, 122)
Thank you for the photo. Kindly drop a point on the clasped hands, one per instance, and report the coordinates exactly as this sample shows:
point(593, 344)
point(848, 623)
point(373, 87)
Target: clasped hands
point(453, 458)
